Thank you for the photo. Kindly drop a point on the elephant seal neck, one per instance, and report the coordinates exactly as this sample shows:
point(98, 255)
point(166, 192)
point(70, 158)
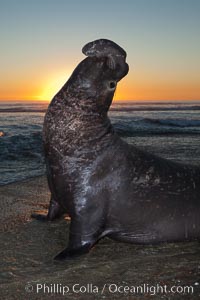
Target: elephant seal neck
point(75, 131)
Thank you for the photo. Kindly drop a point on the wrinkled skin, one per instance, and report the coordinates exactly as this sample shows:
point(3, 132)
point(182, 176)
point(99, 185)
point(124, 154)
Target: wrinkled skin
point(107, 187)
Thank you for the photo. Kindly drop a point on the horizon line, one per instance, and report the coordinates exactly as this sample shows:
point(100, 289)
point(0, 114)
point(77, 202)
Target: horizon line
point(114, 100)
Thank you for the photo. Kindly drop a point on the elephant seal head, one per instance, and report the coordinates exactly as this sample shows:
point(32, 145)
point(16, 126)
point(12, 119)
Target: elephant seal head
point(93, 83)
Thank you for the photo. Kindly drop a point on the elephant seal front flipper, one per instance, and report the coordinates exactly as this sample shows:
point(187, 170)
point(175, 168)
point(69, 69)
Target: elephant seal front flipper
point(54, 212)
point(68, 253)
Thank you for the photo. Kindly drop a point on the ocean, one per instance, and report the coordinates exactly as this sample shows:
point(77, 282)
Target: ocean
point(168, 129)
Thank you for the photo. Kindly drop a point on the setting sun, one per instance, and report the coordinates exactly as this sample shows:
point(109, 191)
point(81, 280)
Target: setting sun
point(53, 84)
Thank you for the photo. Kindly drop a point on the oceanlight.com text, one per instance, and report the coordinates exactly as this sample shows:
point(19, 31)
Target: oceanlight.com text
point(108, 288)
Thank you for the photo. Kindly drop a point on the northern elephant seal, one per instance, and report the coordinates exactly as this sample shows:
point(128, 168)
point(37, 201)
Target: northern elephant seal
point(108, 187)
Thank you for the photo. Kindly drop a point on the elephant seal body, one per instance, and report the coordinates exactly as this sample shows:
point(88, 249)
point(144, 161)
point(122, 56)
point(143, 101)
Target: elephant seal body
point(110, 188)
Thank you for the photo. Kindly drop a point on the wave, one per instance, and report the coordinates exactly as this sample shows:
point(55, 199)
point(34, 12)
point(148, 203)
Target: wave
point(174, 122)
point(154, 108)
point(23, 110)
point(21, 147)
point(117, 109)
point(41, 107)
point(23, 107)
point(147, 126)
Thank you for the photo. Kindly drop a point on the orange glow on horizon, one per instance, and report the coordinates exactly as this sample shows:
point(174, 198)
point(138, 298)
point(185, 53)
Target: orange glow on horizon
point(140, 89)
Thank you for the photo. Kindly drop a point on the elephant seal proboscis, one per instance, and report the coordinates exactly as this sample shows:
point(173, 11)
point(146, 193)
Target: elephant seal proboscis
point(108, 187)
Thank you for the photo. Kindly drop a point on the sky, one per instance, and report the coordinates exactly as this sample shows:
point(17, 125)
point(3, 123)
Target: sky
point(41, 44)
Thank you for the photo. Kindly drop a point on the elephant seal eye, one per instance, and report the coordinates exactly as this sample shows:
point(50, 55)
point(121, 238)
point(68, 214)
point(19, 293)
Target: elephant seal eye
point(112, 84)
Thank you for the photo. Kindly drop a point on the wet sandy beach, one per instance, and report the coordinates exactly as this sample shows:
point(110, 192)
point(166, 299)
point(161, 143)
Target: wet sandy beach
point(110, 271)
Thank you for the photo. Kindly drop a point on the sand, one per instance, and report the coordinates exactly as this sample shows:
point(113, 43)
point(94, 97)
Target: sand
point(109, 271)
